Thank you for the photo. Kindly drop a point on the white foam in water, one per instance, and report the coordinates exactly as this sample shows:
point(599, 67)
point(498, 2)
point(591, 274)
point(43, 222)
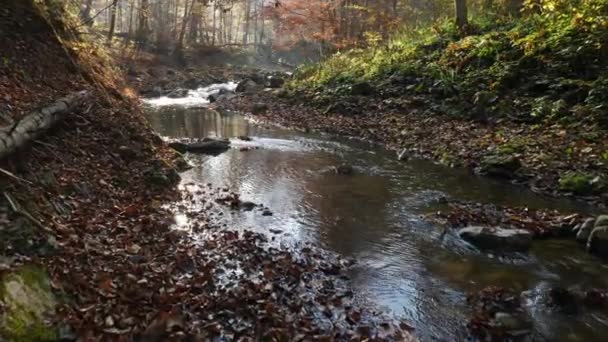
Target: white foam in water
point(196, 97)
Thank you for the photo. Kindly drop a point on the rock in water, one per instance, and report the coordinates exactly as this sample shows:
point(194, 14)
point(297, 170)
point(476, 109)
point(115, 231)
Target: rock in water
point(178, 93)
point(497, 238)
point(345, 170)
point(512, 324)
point(598, 239)
point(500, 166)
point(601, 221)
point(246, 86)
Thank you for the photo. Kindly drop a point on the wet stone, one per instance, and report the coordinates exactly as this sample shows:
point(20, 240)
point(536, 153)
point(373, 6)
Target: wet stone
point(497, 238)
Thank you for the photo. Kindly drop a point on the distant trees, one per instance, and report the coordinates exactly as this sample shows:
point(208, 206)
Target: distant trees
point(170, 25)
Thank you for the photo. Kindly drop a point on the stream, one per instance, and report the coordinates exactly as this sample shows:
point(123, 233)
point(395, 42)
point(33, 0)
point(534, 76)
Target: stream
point(376, 217)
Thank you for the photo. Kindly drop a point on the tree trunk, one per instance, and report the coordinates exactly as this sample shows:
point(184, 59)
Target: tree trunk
point(182, 33)
point(37, 122)
point(142, 26)
point(514, 7)
point(461, 13)
point(247, 16)
point(112, 21)
point(85, 14)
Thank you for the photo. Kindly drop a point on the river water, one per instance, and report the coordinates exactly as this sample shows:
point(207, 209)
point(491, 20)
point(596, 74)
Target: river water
point(376, 217)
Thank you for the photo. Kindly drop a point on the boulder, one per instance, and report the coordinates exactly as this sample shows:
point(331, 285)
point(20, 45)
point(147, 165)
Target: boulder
point(601, 221)
point(275, 82)
point(178, 93)
point(247, 86)
point(598, 241)
point(582, 235)
point(497, 238)
point(500, 166)
point(27, 302)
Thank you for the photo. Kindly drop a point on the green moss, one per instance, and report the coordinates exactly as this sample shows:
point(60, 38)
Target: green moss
point(27, 297)
point(578, 183)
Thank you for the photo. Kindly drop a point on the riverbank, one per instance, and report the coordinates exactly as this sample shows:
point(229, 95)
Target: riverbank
point(549, 159)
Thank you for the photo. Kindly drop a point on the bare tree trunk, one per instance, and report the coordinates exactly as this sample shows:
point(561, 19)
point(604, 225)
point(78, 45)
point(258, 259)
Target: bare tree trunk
point(247, 17)
point(262, 28)
point(142, 26)
point(85, 14)
point(187, 14)
point(214, 24)
point(461, 13)
point(131, 15)
point(112, 21)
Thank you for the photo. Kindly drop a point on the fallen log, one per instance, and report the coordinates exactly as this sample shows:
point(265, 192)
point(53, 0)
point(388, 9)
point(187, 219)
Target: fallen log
point(213, 147)
point(35, 123)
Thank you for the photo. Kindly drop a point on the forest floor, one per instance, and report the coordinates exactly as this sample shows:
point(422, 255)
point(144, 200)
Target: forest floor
point(96, 190)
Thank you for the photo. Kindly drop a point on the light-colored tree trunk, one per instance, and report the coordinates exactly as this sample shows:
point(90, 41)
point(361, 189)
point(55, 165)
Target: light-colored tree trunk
point(247, 17)
point(36, 123)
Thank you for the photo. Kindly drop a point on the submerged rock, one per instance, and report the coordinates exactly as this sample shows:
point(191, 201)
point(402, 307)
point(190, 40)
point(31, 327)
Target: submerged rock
point(497, 238)
point(512, 324)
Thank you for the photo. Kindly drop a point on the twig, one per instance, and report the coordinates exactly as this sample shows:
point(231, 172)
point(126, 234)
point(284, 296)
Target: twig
point(10, 174)
point(44, 144)
point(19, 210)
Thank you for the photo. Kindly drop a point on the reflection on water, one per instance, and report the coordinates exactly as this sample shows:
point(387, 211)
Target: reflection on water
point(375, 218)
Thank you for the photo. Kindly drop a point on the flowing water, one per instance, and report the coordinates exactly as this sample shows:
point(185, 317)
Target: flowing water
point(376, 218)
